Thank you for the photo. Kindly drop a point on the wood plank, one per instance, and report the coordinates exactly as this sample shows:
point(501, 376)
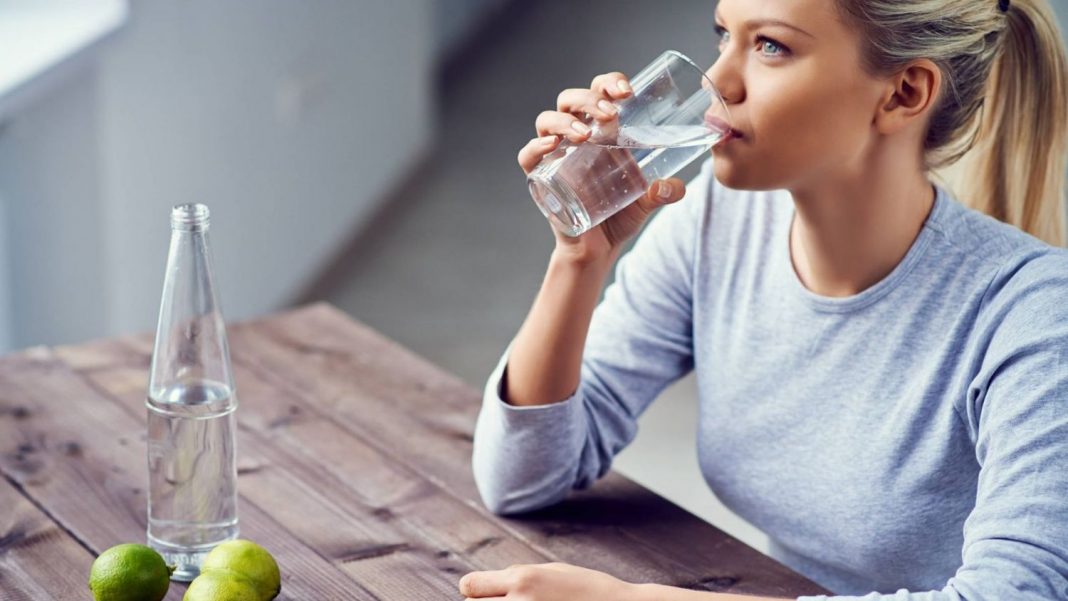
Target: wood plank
point(38, 560)
point(402, 404)
point(624, 548)
point(362, 384)
point(385, 509)
point(80, 455)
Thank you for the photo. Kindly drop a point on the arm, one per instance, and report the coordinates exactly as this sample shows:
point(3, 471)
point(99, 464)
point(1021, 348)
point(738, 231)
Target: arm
point(554, 333)
point(638, 342)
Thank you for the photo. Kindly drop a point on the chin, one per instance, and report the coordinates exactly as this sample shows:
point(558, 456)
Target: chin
point(732, 175)
point(735, 174)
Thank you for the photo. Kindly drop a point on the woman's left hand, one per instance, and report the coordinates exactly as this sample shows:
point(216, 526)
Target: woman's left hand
point(546, 582)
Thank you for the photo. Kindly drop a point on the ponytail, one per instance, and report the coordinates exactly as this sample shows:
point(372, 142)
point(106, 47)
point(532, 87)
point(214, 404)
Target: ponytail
point(1015, 171)
point(999, 135)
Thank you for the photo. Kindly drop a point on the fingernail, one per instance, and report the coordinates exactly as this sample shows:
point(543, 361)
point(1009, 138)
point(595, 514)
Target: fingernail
point(607, 107)
point(623, 86)
point(580, 127)
point(664, 190)
point(547, 140)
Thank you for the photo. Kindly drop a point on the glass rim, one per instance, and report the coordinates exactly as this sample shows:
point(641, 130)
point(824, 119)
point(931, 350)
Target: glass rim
point(704, 76)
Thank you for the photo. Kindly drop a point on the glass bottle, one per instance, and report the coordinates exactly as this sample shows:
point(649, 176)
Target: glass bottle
point(192, 467)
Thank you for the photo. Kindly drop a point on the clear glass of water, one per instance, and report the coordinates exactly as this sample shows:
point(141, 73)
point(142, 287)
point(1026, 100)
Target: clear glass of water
point(674, 115)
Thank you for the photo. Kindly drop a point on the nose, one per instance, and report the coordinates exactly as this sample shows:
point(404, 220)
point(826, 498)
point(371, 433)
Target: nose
point(727, 78)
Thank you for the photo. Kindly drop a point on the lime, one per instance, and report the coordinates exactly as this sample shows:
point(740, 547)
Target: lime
point(221, 584)
point(250, 561)
point(129, 573)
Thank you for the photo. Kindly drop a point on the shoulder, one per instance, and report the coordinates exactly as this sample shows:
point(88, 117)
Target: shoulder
point(1023, 281)
point(1027, 297)
point(1022, 335)
point(979, 236)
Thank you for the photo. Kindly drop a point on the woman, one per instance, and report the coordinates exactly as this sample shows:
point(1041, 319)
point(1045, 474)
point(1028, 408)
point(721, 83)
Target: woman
point(882, 370)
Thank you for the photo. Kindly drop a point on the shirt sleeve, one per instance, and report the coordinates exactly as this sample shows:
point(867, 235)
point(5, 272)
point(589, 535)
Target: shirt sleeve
point(1016, 537)
point(640, 340)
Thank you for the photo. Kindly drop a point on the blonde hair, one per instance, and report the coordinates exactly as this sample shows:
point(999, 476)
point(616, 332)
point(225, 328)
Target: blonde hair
point(999, 135)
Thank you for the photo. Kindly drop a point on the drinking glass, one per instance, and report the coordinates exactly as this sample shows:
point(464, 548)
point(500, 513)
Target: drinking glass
point(673, 116)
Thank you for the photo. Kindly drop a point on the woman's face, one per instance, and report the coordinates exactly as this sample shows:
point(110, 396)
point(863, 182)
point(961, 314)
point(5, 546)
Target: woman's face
point(790, 73)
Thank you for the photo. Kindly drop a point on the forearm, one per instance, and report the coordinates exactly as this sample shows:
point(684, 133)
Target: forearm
point(546, 358)
point(660, 592)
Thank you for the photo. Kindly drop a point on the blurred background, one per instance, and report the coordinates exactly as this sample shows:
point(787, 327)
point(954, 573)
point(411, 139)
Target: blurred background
point(360, 152)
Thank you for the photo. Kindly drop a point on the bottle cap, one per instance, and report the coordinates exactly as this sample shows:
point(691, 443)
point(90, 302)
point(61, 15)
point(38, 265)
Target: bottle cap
point(190, 217)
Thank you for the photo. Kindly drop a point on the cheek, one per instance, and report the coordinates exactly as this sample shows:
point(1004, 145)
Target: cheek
point(802, 125)
point(809, 120)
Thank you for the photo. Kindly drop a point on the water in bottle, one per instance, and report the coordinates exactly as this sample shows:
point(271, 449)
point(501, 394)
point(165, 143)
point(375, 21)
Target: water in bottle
point(192, 462)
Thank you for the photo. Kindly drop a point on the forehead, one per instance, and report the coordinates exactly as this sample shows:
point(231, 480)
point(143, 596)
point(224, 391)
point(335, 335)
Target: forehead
point(814, 16)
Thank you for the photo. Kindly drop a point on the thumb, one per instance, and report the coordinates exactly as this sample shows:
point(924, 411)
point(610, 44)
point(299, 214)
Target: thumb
point(662, 192)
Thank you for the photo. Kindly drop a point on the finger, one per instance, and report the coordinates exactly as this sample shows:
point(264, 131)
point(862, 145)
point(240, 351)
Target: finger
point(612, 85)
point(578, 101)
point(662, 192)
point(536, 149)
point(480, 585)
point(562, 124)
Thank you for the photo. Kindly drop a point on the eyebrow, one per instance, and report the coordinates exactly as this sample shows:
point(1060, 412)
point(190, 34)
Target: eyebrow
point(762, 22)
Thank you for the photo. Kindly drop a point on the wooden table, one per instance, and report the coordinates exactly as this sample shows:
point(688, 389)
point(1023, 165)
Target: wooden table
point(354, 471)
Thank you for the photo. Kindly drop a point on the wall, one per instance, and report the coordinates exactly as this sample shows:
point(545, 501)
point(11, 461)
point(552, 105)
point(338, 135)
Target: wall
point(456, 21)
point(291, 120)
point(50, 182)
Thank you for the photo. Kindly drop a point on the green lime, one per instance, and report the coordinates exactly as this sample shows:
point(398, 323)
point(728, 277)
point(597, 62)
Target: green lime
point(220, 585)
point(249, 560)
point(129, 573)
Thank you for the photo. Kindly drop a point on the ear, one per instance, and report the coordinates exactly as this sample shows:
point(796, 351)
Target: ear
point(912, 93)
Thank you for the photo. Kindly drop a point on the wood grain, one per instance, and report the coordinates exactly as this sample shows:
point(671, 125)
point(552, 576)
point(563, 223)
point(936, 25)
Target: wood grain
point(356, 505)
point(354, 471)
point(38, 559)
point(396, 400)
point(80, 455)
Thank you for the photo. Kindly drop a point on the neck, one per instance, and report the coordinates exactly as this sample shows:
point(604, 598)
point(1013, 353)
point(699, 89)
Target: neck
point(852, 231)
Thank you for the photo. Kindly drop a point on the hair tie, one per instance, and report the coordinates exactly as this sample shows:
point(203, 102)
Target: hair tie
point(1003, 5)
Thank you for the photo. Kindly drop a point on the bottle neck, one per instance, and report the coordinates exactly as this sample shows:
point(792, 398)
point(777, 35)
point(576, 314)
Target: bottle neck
point(191, 351)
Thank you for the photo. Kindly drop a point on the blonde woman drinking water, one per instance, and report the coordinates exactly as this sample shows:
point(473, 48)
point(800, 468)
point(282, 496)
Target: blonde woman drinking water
point(881, 354)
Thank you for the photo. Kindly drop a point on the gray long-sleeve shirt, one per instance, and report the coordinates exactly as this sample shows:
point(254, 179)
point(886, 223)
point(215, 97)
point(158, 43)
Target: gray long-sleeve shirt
point(911, 440)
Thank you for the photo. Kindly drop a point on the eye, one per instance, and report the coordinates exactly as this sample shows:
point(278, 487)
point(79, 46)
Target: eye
point(723, 35)
point(771, 48)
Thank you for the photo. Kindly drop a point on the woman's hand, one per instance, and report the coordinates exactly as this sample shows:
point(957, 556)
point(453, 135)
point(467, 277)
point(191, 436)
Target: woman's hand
point(546, 582)
point(576, 108)
point(564, 582)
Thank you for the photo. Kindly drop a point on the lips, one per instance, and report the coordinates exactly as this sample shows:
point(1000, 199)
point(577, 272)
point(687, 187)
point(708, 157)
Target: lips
point(716, 123)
